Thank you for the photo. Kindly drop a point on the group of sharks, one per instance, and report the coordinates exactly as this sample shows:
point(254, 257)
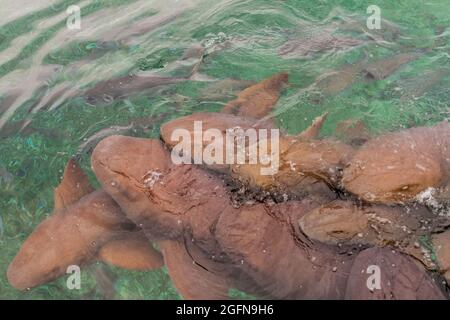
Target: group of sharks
point(342, 209)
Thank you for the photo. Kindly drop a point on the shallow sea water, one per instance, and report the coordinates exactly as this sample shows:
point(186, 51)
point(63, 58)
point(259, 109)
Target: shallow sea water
point(200, 54)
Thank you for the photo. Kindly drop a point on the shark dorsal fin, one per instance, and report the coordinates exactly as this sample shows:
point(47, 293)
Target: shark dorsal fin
point(312, 132)
point(73, 187)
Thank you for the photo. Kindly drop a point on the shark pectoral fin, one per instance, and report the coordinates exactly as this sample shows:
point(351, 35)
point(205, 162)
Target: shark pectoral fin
point(192, 280)
point(312, 132)
point(134, 252)
point(73, 186)
point(258, 100)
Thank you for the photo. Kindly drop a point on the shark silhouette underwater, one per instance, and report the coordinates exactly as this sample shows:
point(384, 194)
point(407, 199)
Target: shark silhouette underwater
point(317, 242)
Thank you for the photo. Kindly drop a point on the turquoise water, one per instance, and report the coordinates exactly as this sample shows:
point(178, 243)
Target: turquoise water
point(214, 49)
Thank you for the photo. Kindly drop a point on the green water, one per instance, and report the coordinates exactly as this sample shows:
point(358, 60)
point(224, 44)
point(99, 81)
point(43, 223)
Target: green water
point(38, 56)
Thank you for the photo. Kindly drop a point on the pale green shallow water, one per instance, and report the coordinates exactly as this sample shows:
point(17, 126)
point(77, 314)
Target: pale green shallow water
point(39, 56)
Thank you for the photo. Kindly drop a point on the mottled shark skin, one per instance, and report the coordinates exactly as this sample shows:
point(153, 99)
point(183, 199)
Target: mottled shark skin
point(304, 167)
point(400, 278)
point(178, 208)
point(129, 169)
point(346, 223)
point(208, 243)
point(168, 202)
point(186, 202)
point(396, 167)
point(208, 120)
point(292, 266)
point(264, 243)
point(306, 164)
point(86, 226)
